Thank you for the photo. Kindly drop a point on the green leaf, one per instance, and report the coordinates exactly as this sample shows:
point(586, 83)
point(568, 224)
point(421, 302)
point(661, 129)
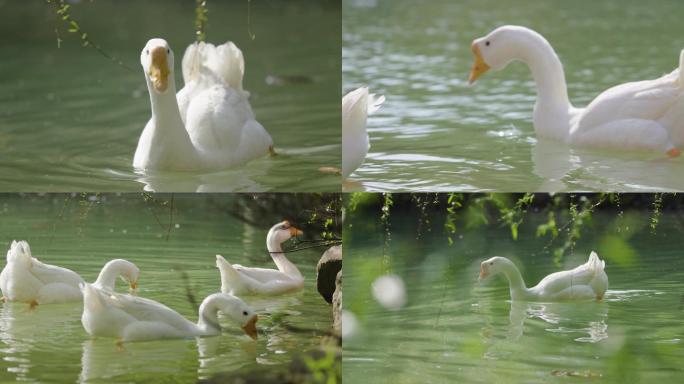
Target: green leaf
point(514, 231)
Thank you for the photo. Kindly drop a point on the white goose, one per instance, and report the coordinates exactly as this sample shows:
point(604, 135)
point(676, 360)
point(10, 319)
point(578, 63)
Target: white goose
point(643, 115)
point(239, 280)
point(131, 318)
point(588, 281)
point(356, 106)
point(26, 279)
point(209, 124)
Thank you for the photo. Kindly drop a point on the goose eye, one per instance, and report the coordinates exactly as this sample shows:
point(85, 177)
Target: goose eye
point(487, 43)
point(491, 263)
point(168, 51)
point(147, 51)
point(244, 313)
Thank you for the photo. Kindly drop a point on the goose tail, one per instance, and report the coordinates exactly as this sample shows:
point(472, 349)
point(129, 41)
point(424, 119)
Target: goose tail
point(594, 263)
point(225, 61)
point(19, 251)
point(230, 277)
point(230, 64)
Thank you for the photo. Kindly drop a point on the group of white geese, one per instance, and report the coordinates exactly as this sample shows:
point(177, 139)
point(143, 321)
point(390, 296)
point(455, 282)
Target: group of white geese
point(127, 317)
point(643, 115)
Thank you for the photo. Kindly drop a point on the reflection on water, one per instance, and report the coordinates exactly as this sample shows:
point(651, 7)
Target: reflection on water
point(565, 169)
point(587, 319)
point(102, 359)
point(436, 133)
point(235, 181)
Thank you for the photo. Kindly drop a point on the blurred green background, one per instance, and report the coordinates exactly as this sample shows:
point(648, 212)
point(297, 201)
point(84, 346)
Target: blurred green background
point(454, 329)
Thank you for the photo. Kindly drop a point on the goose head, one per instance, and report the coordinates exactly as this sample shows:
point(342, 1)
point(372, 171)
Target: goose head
point(129, 273)
point(492, 267)
point(282, 232)
point(238, 312)
point(498, 48)
point(156, 59)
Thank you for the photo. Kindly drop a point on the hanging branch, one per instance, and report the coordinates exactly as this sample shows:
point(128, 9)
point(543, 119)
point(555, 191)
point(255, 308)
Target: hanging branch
point(201, 20)
point(249, 20)
point(323, 243)
point(657, 208)
point(148, 198)
point(62, 11)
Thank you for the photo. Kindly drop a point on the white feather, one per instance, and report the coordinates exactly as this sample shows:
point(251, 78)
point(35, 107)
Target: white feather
point(357, 105)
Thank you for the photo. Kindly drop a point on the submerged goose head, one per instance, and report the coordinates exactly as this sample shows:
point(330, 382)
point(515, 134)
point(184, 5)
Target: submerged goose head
point(157, 62)
point(232, 307)
point(501, 46)
point(128, 272)
point(282, 232)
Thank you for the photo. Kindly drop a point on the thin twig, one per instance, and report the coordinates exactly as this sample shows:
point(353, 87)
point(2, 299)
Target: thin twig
point(309, 247)
point(168, 231)
point(249, 20)
point(188, 290)
point(62, 11)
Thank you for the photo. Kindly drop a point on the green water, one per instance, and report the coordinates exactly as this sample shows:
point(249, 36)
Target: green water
point(49, 343)
point(435, 133)
point(70, 118)
point(456, 330)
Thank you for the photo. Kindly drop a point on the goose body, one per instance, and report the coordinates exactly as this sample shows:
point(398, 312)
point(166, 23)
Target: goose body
point(27, 279)
point(131, 318)
point(587, 281)
point(239, 280)
point(356, 106)
point(642, 115)
point(209, 124)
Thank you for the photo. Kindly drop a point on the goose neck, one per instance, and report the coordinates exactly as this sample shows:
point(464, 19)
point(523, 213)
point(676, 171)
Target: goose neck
point(108, 275)
point(284, 265)
point(515, 280)
point(208, 322)
point(547, 71)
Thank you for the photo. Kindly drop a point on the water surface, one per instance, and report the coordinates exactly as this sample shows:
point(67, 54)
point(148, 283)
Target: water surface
point(49, 344)
point(70, 118)
point(454, 329)
point(435, 133)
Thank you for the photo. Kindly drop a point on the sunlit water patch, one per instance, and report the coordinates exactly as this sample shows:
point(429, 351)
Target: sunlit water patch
point(420, 60)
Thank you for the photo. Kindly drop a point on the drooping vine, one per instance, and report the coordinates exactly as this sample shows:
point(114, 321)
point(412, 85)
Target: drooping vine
point(61, 9)
point(201, 20)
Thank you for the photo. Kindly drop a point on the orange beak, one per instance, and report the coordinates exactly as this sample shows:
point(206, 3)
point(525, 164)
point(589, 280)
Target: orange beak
point(159, 69)
point(250, 327)
point(479, 66)
point(134, 284)
point(295, 232)
point(484, 272)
